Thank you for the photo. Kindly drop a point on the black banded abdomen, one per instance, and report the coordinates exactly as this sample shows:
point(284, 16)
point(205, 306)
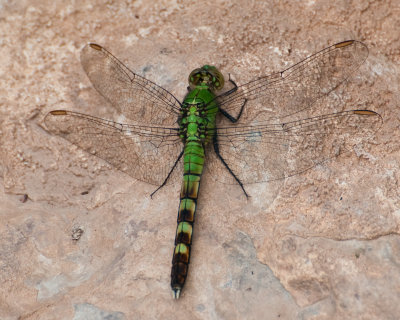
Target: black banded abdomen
point(193, 168)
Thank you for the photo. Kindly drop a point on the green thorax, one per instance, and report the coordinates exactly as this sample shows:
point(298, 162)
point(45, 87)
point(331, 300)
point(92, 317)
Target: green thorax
point(199, 110)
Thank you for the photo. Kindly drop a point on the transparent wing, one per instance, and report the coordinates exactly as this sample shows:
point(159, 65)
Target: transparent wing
point(147, 153)
point(137, 98)
point(272, 151)
point(296, 89)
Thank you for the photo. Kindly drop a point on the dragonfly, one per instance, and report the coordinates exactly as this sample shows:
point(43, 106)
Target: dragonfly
point(268, 129)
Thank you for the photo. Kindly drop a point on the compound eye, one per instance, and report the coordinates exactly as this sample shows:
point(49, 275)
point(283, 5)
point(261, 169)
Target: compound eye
point(194, 78)
point(207, 73)
point(217, 79)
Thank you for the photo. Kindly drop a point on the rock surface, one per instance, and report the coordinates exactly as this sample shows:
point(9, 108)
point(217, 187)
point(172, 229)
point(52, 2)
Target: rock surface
point(80, 240)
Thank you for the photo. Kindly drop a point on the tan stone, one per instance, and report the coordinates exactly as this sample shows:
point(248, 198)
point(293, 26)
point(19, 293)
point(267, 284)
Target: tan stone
point(88, 242)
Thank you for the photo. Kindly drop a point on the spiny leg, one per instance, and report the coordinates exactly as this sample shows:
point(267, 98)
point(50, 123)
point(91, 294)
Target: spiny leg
point(224, 112)
point(169, 174)
point(216, 149)
point(232, 118)
point(234, 86)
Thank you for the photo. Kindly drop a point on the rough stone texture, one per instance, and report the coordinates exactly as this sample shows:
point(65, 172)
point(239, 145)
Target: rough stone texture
point(88, 242)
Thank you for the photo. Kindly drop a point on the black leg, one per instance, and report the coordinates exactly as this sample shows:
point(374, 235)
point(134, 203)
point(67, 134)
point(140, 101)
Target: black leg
point(232, 118)
point(169, 174)
point(234, 87)
point(216, 149)
point(224, 112)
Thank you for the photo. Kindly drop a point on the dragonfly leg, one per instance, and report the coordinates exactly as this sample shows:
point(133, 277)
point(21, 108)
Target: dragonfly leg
point(169, 174)
point(216, 149)
point(232, 118)
point(234, 86)
point(227, 93)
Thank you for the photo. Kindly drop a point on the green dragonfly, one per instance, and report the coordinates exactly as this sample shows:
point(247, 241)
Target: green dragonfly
point(267, 129)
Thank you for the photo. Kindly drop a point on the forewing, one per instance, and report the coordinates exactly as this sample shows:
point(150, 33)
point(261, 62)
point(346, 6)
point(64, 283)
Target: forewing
point(147, 153)
point(296, 89)
point(272, 151)
point(137, 98)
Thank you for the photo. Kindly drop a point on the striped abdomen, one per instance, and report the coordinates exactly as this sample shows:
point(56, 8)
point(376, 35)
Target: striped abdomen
point(193, 168)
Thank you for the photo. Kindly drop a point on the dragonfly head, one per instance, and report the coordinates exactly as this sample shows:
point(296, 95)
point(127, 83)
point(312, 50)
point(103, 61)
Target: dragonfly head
point(206, 75)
